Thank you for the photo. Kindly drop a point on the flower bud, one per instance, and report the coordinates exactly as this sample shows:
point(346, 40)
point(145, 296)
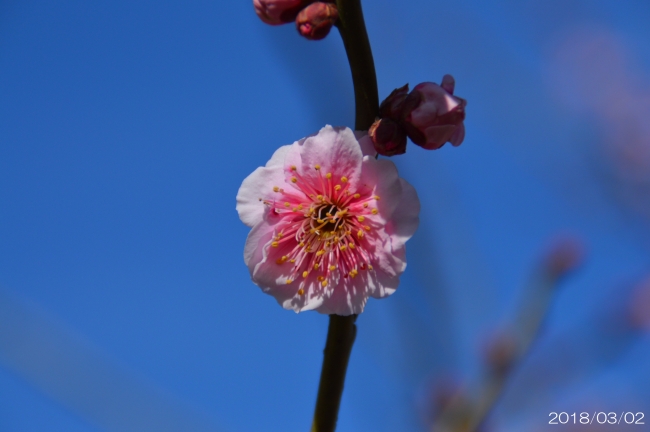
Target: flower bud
point(316, 20)
point(565, 255)
point(432, 116)
point(500, 353)
point(276, 12)
point(391, 107)
point(388, 137)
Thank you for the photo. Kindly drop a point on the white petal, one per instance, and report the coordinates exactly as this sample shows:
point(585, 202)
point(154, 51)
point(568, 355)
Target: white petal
point(254, 189)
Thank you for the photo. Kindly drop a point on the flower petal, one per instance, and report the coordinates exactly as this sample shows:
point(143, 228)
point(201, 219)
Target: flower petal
point(336, 150)
point(405, 219)
point(256, 188)
point(381, 177)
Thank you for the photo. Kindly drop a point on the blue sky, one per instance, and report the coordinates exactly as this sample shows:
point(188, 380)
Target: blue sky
point(126, 129)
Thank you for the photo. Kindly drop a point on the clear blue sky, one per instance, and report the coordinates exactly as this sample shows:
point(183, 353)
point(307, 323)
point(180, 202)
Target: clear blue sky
point(126, 129)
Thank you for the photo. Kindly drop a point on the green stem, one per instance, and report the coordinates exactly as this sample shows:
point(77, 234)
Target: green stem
point(342, 330)
point(340, 338)
point(352, 27)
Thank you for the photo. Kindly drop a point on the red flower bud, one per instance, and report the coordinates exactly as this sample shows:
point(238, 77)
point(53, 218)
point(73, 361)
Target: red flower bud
point(392, 106)
point(276, 12)
point(432, 116)
point(388, 137)
point(316, 20)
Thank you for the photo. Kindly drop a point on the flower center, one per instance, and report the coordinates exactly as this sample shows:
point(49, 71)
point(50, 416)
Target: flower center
point(321, 231)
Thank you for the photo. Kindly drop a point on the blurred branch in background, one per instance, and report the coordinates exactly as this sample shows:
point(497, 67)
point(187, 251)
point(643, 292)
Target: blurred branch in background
point(463, 411)
point(72, 372)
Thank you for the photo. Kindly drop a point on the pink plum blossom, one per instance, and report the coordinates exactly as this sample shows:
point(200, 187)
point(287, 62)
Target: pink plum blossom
point(329, 223)
point(276, 12)
point(432, 115)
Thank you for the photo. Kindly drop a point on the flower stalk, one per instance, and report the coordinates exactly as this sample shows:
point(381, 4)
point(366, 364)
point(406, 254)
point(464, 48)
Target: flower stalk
point(342, 329)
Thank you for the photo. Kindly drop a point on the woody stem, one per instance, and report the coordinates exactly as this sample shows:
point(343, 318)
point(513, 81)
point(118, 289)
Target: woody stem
point(342, 329)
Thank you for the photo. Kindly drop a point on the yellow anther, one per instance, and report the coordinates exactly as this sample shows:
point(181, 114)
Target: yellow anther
point(374, 211)
point(301, 244)
point(370, 267)
point(357, 196)
point(328, 175)
point(332, 267)
point(320, 221)
point(299, 207)
point(293, 168)
point(360, 234)
point(337, 187)
point(352, 246)
point(319, 197)
point(286, 204)
point(366, 227)
point(275, 244)
point(353, 272)
point(289, 281)
point(365, 205)
point(292, 261)
point(301, 291)
point(305, 274)
point(344, 247)
point(320, 253)
point(324, 283)
point(316, 266)
point(276, 189)
point(344, 179)
point(317, 167)
point(294, 180)
point(376, 197)
point(361, 218)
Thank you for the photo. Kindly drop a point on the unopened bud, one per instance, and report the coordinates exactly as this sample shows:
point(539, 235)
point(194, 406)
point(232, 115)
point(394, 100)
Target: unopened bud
point(432, 116)
point(388, 137)
point(392, 106)
point(501, 352)
point(276, 12)
point(566, 254)
point(316, 20)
